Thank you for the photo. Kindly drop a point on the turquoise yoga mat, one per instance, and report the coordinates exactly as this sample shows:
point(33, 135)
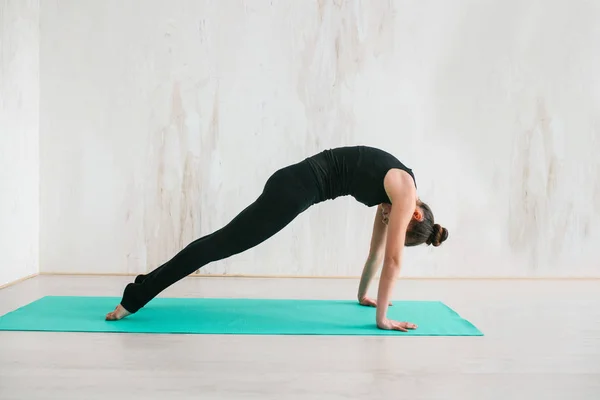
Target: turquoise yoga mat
point(234, 316)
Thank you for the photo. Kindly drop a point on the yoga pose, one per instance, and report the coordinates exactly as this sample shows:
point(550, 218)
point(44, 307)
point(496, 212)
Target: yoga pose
point(372, 176)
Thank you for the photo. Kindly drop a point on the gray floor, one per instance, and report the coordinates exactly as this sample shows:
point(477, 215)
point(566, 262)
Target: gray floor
point(542, 341)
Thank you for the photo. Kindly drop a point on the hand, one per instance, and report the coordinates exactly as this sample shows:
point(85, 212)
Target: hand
point(388, 324)
point(369, 302)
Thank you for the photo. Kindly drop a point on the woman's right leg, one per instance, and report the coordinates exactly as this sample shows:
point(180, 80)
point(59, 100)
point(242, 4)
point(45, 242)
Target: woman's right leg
point(282, 199)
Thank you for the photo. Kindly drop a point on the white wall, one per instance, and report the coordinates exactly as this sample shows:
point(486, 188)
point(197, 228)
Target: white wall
point(19, 151)
point(160, 120)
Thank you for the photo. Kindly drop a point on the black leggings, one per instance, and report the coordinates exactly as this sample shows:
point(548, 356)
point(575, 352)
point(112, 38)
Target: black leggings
point(287, 193)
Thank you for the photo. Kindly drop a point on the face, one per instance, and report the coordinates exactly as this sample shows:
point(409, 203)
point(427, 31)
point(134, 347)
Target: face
point(387, 208)
point(418, 216)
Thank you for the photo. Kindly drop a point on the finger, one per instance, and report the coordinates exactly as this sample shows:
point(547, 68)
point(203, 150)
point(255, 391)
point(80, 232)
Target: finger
point(398, 326)
point(391, 304)
point(368, 303)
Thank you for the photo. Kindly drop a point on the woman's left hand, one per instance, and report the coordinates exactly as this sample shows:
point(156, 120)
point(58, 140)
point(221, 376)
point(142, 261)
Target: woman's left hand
point(369, 302)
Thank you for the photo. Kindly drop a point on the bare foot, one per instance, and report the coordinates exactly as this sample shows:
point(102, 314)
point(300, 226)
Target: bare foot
point(118, 314)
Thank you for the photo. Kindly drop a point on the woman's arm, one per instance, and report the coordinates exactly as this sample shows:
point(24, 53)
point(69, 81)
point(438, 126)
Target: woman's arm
point(374, 259)
point(402, 192)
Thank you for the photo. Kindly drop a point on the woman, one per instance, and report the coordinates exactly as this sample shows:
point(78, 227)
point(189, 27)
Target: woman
point(372, 176)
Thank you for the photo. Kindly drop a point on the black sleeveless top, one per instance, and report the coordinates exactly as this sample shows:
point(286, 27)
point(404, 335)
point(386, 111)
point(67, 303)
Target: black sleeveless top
point(357, 171)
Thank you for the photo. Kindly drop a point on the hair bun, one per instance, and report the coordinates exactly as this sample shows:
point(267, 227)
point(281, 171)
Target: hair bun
point(438, 236)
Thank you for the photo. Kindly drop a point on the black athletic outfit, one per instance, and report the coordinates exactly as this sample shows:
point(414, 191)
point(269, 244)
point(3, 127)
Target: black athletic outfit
point(357, 171)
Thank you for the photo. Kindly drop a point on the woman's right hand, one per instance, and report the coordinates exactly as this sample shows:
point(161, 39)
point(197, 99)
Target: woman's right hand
point(388, 324)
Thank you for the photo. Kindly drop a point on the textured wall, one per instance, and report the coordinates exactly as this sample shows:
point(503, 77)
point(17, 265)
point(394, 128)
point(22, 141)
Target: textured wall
point(19, 117)
point(161, 120)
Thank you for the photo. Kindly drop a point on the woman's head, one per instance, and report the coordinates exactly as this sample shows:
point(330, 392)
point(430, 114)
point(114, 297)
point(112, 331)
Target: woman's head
point(423, 229)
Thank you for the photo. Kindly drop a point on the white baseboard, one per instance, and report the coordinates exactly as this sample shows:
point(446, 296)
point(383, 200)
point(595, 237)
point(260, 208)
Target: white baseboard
point(18, 280)
point(424, 278)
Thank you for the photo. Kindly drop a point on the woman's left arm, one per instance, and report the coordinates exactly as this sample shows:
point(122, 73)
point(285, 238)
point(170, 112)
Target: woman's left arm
point(374, 258)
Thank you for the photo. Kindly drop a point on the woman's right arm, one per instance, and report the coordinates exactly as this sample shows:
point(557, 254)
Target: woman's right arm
point(403, 195)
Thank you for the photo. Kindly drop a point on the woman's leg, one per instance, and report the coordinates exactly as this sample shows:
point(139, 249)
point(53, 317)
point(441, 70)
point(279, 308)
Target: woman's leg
point(142, 277)
point(282, 199)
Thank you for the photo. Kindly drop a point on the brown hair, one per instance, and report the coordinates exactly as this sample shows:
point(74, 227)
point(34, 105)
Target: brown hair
point(425, 231)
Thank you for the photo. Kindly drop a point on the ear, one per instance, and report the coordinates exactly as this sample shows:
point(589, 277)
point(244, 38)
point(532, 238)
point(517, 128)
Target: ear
point(418, 214)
